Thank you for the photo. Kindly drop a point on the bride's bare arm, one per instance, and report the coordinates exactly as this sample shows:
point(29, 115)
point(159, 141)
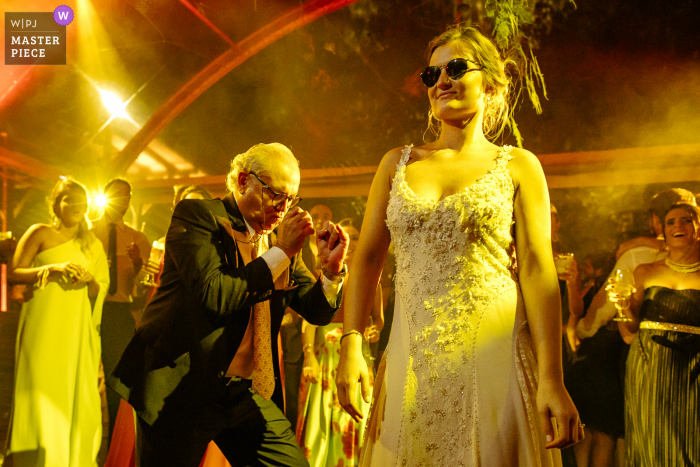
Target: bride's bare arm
point(359, 295)
point(20, 270)
point(540, 290)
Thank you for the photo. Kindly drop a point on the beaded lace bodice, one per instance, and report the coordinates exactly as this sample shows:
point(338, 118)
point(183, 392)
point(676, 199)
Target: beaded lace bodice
point(452, 257)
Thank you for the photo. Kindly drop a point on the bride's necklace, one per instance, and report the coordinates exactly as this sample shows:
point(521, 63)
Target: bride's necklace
point(684, 268)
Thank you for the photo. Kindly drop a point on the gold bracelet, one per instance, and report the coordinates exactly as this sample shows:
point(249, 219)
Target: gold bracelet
point(354, 331)
point(307, 346)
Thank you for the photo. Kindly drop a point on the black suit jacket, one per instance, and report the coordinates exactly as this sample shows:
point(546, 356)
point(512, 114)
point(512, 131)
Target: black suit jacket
point(191, 331)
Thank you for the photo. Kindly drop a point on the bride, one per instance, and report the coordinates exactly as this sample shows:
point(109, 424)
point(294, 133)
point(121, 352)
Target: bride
point(473, 335)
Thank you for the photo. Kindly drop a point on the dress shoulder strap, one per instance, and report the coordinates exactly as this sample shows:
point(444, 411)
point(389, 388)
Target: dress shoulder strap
point(504, 156)
point(405, 155)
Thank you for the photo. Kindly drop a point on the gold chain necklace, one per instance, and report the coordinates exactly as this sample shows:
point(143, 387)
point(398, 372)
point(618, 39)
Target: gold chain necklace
point(683, 268)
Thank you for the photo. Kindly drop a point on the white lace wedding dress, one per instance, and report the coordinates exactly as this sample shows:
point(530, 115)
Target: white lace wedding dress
point(457, 387)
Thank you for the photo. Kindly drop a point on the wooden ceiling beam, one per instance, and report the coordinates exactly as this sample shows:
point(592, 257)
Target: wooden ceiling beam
point(28, 165)
point(217, 69)
point(634, 166)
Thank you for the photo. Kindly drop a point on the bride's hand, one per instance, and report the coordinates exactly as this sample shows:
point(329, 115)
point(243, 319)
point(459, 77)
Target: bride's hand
point(352, 369)
point(554, 402)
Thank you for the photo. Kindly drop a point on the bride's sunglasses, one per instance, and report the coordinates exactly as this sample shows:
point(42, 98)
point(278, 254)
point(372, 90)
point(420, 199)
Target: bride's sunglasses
point(455, 69)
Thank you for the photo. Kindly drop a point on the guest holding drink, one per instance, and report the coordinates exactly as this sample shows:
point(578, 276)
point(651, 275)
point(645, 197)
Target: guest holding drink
point(662, 386)
point(569, 288)
point(599, 372)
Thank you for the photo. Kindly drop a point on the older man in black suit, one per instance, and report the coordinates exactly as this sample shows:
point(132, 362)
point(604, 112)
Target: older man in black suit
point(202, 364)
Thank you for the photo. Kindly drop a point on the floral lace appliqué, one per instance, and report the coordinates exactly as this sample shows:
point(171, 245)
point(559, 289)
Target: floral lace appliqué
point(452, 257)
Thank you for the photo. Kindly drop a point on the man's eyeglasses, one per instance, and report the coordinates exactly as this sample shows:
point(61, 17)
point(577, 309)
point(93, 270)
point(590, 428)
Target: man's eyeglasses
point(279, 198)
point(455, 69)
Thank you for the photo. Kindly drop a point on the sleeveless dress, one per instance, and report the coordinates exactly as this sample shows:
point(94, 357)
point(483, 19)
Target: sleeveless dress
point(56, 410)
point(662, 385)
point(457, 383)
point(326, 433)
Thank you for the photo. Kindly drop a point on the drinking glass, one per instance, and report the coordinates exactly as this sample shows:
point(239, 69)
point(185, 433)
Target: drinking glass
point(155, 256)
point(620, 288)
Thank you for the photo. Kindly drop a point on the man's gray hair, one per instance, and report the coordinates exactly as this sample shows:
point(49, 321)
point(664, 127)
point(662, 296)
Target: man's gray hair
point(261, 159)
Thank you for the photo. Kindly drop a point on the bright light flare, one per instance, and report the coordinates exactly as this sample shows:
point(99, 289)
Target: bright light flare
point(113, 104)
point(100, 200)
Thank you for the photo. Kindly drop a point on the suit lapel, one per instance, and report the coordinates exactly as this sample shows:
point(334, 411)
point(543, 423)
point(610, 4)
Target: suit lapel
point(236, 233)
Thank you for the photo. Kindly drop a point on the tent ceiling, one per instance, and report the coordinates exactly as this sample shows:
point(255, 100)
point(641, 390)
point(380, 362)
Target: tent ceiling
point(339, 91)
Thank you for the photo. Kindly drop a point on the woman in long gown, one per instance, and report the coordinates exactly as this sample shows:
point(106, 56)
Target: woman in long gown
point(662, 381)
point(56, 413)
point(471, 337)
point(326, 433)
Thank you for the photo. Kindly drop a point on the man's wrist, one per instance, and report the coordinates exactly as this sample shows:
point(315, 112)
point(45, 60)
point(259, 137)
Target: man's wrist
point(335, 277)
point(287, 251)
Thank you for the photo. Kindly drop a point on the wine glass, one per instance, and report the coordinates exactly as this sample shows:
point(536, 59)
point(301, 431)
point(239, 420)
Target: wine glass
point(620, 288)
point(156, 253)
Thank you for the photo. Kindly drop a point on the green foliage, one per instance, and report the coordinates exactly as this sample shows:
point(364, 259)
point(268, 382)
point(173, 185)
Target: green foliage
point(510, 20)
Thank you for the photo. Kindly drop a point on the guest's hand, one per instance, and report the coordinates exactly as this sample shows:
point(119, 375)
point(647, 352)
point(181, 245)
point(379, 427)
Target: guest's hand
point(574, 341)
point(371, 333)
point(311, 368)
point(293, 230)
point(352, 369)
point(134, 253)
point(290, 318)
point(69, 270)
point(619, 294)
point(554, 402)
point(570, 274)
point(83, 277)
point(151, 267)
point(332, 243)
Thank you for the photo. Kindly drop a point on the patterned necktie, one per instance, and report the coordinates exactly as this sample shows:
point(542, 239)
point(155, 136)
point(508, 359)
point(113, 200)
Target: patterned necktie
point(263, 372)
point(112, 258)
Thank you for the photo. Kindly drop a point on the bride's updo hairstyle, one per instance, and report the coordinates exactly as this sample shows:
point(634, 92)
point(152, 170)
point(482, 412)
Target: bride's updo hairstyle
point(471, 43)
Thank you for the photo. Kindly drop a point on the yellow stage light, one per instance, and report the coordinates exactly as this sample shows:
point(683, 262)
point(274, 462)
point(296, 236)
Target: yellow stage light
point(113, 104)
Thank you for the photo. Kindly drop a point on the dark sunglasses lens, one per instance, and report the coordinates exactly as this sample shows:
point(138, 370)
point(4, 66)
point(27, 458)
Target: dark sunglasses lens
point(456, 68)
point(430, 76)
